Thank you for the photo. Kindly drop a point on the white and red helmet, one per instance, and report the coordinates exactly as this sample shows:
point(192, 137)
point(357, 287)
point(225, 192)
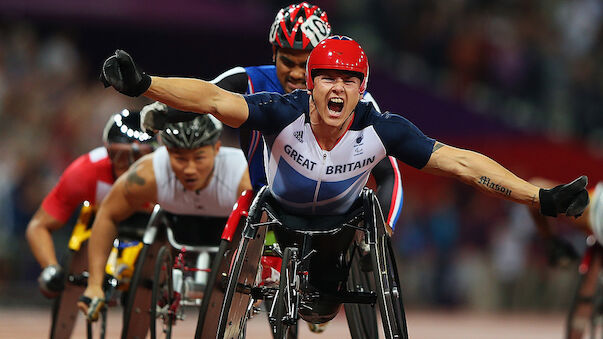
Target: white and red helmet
point(338, 53)
point(300, 26)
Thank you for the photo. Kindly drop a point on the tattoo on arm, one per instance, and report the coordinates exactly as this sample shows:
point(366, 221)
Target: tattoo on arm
point(494, 186)
point(133, 178)
point(533, 199)
point(437, 146)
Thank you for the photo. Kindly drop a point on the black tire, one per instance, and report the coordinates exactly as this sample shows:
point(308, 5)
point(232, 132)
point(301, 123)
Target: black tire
point(361, 318)
point(287, 299)
point(292, 332)
point(209, 312)
point(163, 294)
point(64, 308)
point(134, 284)
point(587, 300)
point(237, 297)
point(388, 287)
point(56, 305)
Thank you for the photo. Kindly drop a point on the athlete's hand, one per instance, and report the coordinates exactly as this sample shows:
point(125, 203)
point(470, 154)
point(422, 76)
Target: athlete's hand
point(91, 302)
point(51, 281)
point(569, 199)
point(153, 117)
point(559, 251)
point(120, 72)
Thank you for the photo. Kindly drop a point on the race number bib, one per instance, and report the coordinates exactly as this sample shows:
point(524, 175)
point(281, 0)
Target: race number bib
point(315, 29)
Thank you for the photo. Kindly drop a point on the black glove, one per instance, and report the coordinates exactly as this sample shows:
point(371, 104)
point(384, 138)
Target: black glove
point(51, 281)
point(559, 251)
point(120, 72)
point(569, 199)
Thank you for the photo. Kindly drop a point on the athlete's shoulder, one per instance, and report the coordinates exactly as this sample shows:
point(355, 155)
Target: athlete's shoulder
point(263, 69)
point(263, 78)
point(271, 112)
point(92, 165)
point(233, 152)
point(368, 97)
point(297, 99)
point(231, 156)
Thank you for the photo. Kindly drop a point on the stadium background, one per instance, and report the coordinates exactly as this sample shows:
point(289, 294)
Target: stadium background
point(517, 80)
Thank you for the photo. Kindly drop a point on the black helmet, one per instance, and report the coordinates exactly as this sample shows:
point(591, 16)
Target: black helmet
point(201, 131)
point(125, 140)
point(124, 128)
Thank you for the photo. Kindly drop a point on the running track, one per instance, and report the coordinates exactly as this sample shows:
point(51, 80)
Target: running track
point(34, 323)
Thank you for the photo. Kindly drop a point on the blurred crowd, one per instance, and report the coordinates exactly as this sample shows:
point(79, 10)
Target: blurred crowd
point(51, 112)
point(534, 64)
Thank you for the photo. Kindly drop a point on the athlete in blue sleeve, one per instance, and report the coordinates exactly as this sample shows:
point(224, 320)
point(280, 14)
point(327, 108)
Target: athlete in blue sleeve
point(322, 142)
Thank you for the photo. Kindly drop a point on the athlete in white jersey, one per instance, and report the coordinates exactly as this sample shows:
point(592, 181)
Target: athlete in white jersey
point(215, 200)
point(191, 175)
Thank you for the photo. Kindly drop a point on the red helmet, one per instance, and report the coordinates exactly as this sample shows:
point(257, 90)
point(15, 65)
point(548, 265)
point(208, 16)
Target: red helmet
point(340, 53)
point(301, 26)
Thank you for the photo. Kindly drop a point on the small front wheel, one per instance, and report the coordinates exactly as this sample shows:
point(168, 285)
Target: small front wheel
point(287, 299)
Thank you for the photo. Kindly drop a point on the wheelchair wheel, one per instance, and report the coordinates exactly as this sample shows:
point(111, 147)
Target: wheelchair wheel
point(163, 294)
point(237, 304)
point(209, 313)
point(585, 315)
point(388, 287)
point(291, 332)
point(362, 318)
point(135, 282)
point(64, 306)
point(286, 301)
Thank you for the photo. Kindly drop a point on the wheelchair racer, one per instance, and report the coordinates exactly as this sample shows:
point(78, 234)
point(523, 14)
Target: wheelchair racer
point(190, 175)
point(322, 142)
point(295, 31)
point(88, 178)
point(560, 252)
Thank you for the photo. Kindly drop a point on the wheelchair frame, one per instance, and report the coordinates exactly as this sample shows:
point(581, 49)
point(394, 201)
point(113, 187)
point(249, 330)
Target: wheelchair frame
point(243, 289)
point(165, 302)
point(588, 296)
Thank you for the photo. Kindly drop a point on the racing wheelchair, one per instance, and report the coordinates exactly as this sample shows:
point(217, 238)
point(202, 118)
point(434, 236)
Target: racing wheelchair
point(585, 316)
point(319, 254)
point(183, 247)
point(118, 270)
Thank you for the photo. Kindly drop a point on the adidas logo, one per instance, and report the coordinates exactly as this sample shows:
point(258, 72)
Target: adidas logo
point(299, 135)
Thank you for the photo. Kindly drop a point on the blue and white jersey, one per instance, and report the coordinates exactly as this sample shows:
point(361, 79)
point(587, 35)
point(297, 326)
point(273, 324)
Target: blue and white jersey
point(308, 179)
point(264, 79)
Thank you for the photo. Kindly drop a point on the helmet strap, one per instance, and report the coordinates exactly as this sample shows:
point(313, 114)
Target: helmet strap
point(346, 120)
point(274, 51)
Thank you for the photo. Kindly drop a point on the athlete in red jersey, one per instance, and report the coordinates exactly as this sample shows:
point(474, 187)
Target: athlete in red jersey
point(88, 178)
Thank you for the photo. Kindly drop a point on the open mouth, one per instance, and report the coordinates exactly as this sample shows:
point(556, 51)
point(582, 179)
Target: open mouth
point(190, 182)
point(335, 105)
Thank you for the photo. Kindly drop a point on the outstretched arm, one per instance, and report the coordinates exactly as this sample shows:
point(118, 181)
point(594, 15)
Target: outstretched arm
point(199, 96)
point(190, 95)
point(481, 172)
point(487, 175)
